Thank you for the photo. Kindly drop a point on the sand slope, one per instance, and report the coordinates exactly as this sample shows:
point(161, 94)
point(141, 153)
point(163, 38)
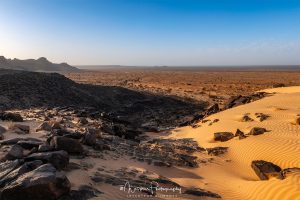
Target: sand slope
point(232, 176)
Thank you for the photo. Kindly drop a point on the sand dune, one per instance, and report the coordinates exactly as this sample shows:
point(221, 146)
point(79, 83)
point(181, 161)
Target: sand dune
point(235, 179)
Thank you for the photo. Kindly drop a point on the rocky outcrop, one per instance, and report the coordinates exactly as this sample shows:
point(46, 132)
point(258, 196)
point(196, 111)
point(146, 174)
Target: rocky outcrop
point(264, 170)
point(241, 100)
point(43, 182)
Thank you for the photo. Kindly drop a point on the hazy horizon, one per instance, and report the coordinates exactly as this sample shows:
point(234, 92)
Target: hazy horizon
point(152, 32)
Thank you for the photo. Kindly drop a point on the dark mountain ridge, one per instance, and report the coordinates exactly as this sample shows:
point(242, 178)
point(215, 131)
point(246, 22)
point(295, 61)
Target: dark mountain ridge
point(41, 64)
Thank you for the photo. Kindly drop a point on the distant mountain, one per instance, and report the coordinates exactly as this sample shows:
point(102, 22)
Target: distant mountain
point(41, 64)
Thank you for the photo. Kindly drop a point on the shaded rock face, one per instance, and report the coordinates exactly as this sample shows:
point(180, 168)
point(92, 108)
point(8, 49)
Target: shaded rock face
point(240, 134)
point(15, 152)
point(59, 159)
point(26, 167)
point(69, 145)
point(20, 129)
point(2, 130)
point(264, 170)
point(42, 183)
point(223, 136)
point(7, 167)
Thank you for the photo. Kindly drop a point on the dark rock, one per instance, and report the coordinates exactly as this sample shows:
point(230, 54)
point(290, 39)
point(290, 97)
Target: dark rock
point(277, 85)
point(201, 193)
point(42, 183)
point(161, 164)
point(55, 125)
point(286, 172)
point(264, 170)
point(21, 128)
point(75, 135)
point(84, 192)
point(29, 144)
point(26, 167)
point(69, 145)
point(16, 140)
point(2, 130)
point(257, 131)
point(45, 126)
point(212, 109)
point(44, 147)
point(89, 138)
point(189, 160)
point(240, 134)
point(59, 159)
point(261, 116)
point(15, 152)
point(8, 166)
point(217, 151)
point(246, 118)
point(223, 136)
point(8, 116)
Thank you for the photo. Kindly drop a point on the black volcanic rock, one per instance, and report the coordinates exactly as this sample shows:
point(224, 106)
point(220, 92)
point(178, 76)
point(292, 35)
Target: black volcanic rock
point(41, 64)
point(22, 89)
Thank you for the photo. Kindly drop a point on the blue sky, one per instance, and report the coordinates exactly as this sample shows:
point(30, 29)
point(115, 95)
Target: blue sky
point(152, 32)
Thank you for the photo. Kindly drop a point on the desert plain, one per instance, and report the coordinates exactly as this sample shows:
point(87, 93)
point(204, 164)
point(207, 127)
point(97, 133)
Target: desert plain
point(237, 139)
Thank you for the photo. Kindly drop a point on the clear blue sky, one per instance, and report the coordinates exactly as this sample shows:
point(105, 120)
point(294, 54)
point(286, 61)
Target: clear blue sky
point(152, 32)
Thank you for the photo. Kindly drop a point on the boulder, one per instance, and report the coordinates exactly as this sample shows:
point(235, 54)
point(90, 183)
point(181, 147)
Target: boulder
point(257, 131)
point(59, 159)
point(2, 130)
point(29, 144)
point(45, 126)
point(7, 167)
point(44, 147)
point(223, 136)
point(9, 116)
point(70, 145)
point(84, 192)
point(264, 170)
point(90, 137)
point(26, 167)
point(240, 134)
point(42, 183)
point(15, 152)
point(246, 118)
point(16, 140)
point(20, 128)
point(261, 116)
